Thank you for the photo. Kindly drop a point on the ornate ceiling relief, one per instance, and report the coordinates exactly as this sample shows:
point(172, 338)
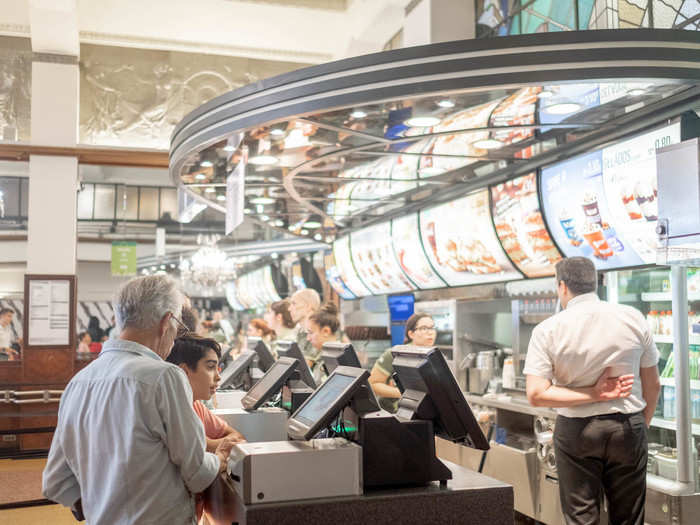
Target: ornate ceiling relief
point(15, 89)
point(135, 97)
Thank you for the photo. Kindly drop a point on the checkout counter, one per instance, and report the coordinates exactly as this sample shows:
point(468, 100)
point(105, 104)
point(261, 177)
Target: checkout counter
point(347, 459)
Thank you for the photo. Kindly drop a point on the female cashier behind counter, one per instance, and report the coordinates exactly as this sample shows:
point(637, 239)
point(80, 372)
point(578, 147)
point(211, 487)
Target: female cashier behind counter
point(420, 331)
point(322, 327)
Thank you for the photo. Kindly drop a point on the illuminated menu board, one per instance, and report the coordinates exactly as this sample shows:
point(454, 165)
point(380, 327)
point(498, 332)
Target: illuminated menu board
point(577, 213)
point(566, 100)
point(341, 252)
point(461, 243)
point(404, 172)
point(629, 177)
point(410, 254)
point(232, 296)
point(520, 226)
point(333, 277)
point(517, 109)
point(269, 289)
point(375, 262)
point(461, 143)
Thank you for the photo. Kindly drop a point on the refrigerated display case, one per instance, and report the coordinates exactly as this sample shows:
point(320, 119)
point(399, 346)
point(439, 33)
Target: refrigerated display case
point(461, 242)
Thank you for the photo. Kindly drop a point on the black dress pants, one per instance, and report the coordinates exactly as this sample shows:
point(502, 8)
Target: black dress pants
point(598, 455)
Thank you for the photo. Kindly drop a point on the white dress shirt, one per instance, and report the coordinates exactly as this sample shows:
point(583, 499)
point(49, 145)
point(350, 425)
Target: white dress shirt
point(574, 347)
point(128, 441)
point(6, 336)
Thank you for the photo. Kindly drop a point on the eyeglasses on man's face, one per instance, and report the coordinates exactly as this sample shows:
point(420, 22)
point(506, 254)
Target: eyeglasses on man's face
point(181, 327)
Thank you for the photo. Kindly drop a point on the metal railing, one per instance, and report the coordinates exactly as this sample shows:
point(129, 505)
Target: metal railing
point(17, 397)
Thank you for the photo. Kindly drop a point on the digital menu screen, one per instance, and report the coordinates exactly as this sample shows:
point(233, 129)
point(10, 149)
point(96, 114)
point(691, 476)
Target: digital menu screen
point(270, 290)
point(410, 254)
point(377, 183)
point(461, 243)
point(405, 170)
point(517, 109)
point(461, 143)
point(346, 271)
point(232, 296)
point(373, 256)
point(629, 177)
point(563, 101)
point(577, 213)
point(520, 226)
point(333, 277)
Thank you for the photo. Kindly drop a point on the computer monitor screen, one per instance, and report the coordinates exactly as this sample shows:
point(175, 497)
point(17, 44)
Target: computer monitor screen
point(339, 354)
point(400, 307)
point(430, 391)
point(326, 402)
point(231, 377)
point(265, 357)
point(270, 384)
point(291, 349)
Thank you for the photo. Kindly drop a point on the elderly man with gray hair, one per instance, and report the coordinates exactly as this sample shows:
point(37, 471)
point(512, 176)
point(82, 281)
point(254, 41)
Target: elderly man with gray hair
point(128, 448)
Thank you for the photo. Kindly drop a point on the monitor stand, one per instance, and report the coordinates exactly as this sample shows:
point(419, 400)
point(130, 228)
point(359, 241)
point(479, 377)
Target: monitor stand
point(398, 452)
point(294, 393)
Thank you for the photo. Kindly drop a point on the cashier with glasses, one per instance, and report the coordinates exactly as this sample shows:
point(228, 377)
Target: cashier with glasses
point(596, 363)
point(420, 331)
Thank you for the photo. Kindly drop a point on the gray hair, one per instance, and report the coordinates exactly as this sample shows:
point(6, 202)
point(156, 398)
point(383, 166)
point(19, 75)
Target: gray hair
point(578, 273)
point(142, 302)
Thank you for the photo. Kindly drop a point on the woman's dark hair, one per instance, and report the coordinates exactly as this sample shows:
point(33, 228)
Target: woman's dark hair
point(411, 325)
point(282, 308)
point(189, 349)
point(94, 329)
point(81, 335)
point(327, 315)
point(260, 324)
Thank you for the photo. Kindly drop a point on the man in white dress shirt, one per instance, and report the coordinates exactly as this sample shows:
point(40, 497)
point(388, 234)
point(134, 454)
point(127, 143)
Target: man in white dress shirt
point(596, 363)
point(128, 448)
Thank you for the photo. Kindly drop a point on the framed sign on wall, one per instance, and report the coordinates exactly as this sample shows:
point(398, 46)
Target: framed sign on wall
point(49, 311)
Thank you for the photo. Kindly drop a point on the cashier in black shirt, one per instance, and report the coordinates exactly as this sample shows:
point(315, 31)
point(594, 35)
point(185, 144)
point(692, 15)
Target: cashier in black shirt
point(420, 331)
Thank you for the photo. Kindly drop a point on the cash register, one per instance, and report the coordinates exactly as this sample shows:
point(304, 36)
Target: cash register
point(337, 354)
point(340, 429)
point(302, 384)
point(238, 377)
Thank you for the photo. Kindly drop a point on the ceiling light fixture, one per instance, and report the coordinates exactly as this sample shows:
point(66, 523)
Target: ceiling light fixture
point(279, 222)
point(247, 211)
point(636, 92)
point(304, 231)
point(221, 197)
point(229, 148)
point(292, 227)
point(545, 93)
point(276, 132)
point(262, 200)
point(209, 267)
point(200, 176)
point(358, 114)
point(422, 122)
point(210, 190)
point(274, 255)
point(446, 103)
point(263, 160)
point(488, 144)
point(206, 164)
point(264, 218)
point(318, 236)
point(563, 108)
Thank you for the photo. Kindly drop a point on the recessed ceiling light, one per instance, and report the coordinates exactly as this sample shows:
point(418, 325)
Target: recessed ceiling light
point(200, 176)
point(206, 164)
point(563, 108)
point(488, 144)
point(162, 267)
point(274, 255)
point(304, 231)
point(247, 211)
point(318, 236)
point(262, 200)
point(635, 92)
point(292, 227)
point(279, 222)
point(312, 224)
point(446, 103)
point(210, 190)
point(545, 93)
point(276, 132)
point(221, 197)
point(154, 268)
point(422, 122)
point(264, 218)
point(229, 148)
point(358, 113)
point(263, 160)
point(431, 171)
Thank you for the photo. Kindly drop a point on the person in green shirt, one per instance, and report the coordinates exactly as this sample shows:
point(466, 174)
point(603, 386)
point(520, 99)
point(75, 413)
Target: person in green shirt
point(420, 331)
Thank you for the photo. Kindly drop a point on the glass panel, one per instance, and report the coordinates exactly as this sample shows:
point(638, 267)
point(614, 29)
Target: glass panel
point(86, 198)
point(15, 88)
point(9, 197)
point(148, 204)
point(631, 14)
point(168, 203)
point(24, 203)
point(128, 203)
point(104, 201)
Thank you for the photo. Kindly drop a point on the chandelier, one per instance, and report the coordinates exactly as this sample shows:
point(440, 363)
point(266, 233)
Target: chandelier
point(209, 267)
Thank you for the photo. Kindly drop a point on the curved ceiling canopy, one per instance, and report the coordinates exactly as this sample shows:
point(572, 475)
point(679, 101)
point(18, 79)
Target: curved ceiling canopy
point(337, 146)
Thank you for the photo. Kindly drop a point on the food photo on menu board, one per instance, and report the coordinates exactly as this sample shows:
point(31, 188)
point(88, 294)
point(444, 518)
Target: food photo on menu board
point(333, 277)
point(411, 255)
point(577, 213)
point(629, 176)
point(461, 243)
point(517, 109)
point(520, 226)
point(341, 253)
point(373, 256)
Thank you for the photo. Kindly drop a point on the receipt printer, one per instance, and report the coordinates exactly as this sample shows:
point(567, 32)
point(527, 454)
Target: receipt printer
point(264, 424)
point(293, 470)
